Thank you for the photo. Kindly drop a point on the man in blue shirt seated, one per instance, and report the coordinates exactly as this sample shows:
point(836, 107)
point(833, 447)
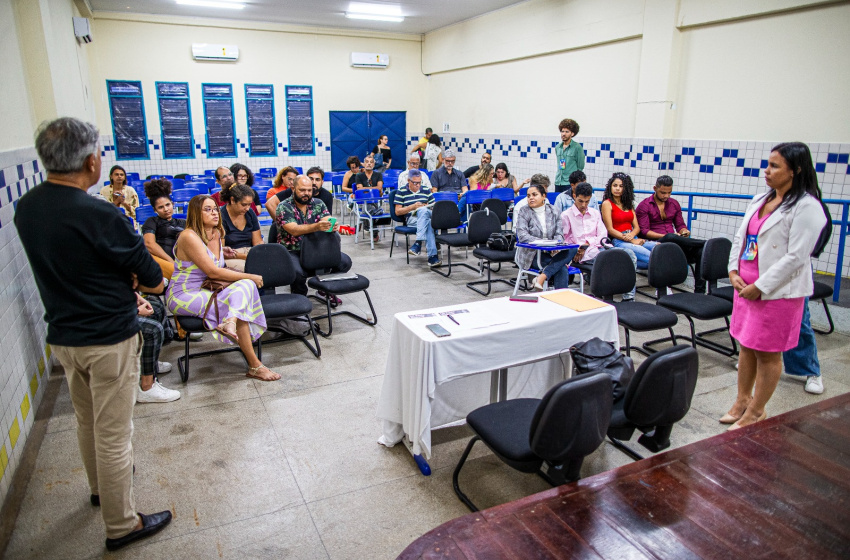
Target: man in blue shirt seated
point(446, 179)
point(412, 203)
point(567, 198)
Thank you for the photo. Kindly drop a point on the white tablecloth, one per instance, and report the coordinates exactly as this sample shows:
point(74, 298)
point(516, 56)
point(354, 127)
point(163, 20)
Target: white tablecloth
point(429, 381)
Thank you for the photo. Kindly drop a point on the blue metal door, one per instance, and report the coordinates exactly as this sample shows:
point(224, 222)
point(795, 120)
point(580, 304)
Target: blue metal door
point(349, 137)
point(394, 125)
point(355, 133)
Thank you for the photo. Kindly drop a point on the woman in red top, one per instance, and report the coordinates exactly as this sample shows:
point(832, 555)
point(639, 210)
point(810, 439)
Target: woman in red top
point(618, 213)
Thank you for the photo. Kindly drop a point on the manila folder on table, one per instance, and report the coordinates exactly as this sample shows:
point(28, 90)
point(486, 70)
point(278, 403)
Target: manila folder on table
point(574, 300)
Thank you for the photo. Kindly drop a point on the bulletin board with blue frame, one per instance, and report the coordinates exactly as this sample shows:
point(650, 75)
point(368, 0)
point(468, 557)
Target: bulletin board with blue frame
point(218, 120)
point(259, 106)
point(127, 111)
point(299, 120)
point(175, 120)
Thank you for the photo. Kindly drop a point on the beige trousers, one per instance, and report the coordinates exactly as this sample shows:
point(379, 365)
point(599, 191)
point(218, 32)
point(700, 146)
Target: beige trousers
point(237, 264)
point(102, 381)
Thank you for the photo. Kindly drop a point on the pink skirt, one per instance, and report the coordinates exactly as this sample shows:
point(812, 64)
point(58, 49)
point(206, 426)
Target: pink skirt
point(767, 325)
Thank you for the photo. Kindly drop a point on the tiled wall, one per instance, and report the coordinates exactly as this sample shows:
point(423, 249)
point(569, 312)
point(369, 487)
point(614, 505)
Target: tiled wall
point(25, 358)
point(705, 166)
point(157, 165)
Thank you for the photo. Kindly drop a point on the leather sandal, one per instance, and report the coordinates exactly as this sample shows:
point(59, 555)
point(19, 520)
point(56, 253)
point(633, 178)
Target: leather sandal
point(253, 371)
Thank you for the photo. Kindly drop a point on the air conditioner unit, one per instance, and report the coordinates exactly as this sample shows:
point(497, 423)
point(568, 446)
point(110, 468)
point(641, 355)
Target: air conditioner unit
point(82, 29)
point(369, 60)
point(208, 51)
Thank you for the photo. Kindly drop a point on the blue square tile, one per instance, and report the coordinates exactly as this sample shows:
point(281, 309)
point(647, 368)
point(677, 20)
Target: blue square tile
point(2, 179)
point(662, 165)
point(523, 154)
point(848, 170)
point(678, 159)
point(606, 146)
point(739, 162)
point(514, 142)
point(718, 161)
point(504, 152)
point(473, 150)
point(656, 157)
point(618, 161)
point(709, 169)
point(727, 153)
point(746, 172)
point(598, 153)
point(466, 140)
point(626, 156)
point(35, 168)
point(684, 151)
point(498, 142)
point(734, 153)
point(279, 145)
point(150, 142)
point(640, 157)
point(197, 146)
point(543, 156)
point(843, 158)
point(534, 142)
point(591, 160)
point(102, 154)
point(611, 154)
point(480, 140)
point(702, 169)
point(156, 146)
point(20, 168)
point(820, 167)
point(697, 159)
point(203, 151)
point(764, 164)
point(633, 163)
point(754, 172)
point(692, 151)
point(670, 167)
point(285, 150)
point(832, 158)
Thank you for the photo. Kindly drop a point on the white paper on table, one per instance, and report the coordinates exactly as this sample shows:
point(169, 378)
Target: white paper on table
point(478, 319)
point(546, 242)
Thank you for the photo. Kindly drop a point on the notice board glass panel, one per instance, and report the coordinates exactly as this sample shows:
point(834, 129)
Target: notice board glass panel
point(259, 101)
point(299, 120)
point(127, 110)
point(175, 120)
point(218, 119)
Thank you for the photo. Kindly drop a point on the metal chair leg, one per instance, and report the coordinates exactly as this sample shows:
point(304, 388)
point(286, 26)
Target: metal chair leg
point(463, 498)
point(828, 318)
point(625, 448)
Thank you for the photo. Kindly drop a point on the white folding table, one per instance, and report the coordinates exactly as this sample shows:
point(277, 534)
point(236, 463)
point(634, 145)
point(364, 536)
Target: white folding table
point(432, 382)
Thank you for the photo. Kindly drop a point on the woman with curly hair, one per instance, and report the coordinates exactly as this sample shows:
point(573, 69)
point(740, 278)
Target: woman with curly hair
point(160, 232)
point(243, 175)
point(618, 213)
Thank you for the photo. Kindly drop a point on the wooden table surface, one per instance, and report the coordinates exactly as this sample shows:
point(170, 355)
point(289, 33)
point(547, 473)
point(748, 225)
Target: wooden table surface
point(776, 489)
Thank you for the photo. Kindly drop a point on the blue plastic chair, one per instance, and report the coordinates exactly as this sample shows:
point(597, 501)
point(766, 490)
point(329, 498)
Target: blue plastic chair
point(209, 173)
point(179, 216)
point(401, 229)
point(551, 197)
point(523, 192)
point(133, 177)
point(299, 170)
point(143, 213)
point(262, 183)
point(177, 184)
point(329, 176)
point(201, 186)
point(263, 194)
point(475, 197)
point(169, 177)
point(181, 197)
point(268, 170)
point(505, 194)
point(362, 198)
point(448, 195)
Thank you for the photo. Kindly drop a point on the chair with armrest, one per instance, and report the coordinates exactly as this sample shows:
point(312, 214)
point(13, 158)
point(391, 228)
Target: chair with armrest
point(445, 216)
point(549, 436)
point(481, 225)
point(658, 396)
point(401, 229)
point(446, 195)
point(321, 251)
point(668, 266)
point(474, 198)
point(274, 263)
point(614, 273)
point(363, 198)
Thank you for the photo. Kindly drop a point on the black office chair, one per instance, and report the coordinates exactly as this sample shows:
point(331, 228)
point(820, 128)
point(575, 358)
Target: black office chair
point(274, 263)
point(481, 225)
point(402, 229)
point(446, 216)
point(823, 292)
point(560, 429)
point(321, 251)
point(668, 266)
point(658, 396)
point(614, 273)
point(499, 207)
point(196, 325)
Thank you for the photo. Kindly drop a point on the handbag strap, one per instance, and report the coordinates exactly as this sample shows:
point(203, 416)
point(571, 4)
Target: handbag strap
point(213, 300)
point(574, 350)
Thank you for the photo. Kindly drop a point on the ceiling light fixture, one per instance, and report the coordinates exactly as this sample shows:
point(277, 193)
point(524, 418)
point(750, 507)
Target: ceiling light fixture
point(212, 4)
point(374, 12)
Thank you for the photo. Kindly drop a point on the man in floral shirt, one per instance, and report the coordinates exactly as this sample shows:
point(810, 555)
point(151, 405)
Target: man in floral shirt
point(299, 215)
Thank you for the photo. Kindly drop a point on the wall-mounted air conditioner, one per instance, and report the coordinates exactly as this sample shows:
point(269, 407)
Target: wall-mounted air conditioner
point(208, 51)
point(369, 60)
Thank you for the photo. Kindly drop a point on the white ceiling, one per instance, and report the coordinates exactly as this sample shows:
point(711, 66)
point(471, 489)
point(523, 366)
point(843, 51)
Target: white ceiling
point(419, 17)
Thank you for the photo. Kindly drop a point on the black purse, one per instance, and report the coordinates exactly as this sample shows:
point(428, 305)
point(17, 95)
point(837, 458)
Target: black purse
point(596, 355)
point(500, 241)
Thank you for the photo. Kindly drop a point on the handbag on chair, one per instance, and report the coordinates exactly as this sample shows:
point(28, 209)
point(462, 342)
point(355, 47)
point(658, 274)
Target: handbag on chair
point(596, 355)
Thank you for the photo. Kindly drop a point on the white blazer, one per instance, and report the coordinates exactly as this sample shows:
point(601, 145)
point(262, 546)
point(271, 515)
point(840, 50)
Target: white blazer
point(785, 244)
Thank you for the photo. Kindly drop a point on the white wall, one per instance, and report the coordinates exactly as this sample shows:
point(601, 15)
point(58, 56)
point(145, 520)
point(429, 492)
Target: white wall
point(155, 50)
point(779, 76)
point(15, 110)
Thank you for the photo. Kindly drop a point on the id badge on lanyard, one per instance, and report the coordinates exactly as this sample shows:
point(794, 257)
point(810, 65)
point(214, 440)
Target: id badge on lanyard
point(563, 164)
point(751, 250)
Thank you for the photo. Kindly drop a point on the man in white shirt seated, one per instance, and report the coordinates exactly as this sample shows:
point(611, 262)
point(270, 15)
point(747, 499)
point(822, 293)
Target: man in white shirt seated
point(413, 163)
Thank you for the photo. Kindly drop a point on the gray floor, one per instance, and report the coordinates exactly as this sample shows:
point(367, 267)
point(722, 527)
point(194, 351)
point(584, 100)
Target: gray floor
point(291, 469)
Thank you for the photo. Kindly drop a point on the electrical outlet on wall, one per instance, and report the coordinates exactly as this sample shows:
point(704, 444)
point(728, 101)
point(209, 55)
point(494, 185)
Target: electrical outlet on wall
point(445, 127)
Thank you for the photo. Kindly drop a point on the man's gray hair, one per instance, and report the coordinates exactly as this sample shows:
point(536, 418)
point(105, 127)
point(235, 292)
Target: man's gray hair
point(64, 144)
point(414, 155)
point(540, 179)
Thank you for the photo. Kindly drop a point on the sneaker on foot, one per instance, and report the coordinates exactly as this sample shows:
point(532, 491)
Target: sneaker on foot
point(415, 249)
point(157, 394)
point(434, 260)
point(814, 384)
point(163, 367)
point(196, 336)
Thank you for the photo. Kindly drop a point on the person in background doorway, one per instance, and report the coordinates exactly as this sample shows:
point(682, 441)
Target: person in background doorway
point(569, 154)
point(386, 154)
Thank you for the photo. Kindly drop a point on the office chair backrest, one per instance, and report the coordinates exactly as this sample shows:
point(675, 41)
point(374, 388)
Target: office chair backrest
point(667, 266)
point(481, 224)
point(572, 418)
point(613, 273)
point(498, 207)
point(320, 250)
point(273, 262)
point(715, 259)
point(445, 215)
point(660, 392)
point(395, 217)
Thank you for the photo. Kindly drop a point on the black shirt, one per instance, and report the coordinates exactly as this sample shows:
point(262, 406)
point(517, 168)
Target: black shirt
point(471, 171)
point(236, 238)
point(364, 182)
point(386, 154)
point(165, 231)
point(83, 251)
point(324, 195)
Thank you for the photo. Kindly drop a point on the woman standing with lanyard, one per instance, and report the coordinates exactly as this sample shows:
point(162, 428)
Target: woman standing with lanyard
point(386, 154)
point(770, 269)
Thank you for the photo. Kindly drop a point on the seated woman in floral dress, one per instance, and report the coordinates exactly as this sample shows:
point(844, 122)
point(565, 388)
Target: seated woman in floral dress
point(237, 314)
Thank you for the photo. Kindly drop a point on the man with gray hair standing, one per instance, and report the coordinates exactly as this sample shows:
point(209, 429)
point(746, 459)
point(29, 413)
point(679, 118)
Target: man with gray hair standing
point(91, 310)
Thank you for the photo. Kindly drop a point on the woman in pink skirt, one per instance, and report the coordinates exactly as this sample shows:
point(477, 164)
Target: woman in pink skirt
point(770, 269)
